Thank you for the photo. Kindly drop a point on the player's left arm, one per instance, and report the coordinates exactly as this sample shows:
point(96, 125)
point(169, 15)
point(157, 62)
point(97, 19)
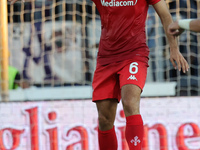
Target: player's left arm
point(176, 58)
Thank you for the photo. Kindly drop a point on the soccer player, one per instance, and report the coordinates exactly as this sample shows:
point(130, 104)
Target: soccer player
point(122, 64)
point(177, 27)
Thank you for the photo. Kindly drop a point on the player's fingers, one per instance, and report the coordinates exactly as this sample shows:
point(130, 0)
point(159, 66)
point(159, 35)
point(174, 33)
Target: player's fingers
point(179, 64)
point(183, 65)
point(171, 31)
point(186, 65)
point(173, 63)
point(178, 61)
point(174, 32)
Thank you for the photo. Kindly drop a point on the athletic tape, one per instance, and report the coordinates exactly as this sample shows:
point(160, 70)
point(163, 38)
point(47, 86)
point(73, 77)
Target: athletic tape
point(185, 23)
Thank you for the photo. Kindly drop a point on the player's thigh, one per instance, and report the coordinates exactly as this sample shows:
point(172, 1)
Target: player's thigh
point(132, 80)
point(131, 99)
point(131, 95)
point(130, 91)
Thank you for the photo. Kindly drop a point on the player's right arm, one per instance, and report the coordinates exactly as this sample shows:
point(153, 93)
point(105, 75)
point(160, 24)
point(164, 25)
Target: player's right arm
point(176, 27)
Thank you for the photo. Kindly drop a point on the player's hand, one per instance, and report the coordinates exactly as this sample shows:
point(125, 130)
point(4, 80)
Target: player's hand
point(174, 29)
point(12, 1)
point(178, 61)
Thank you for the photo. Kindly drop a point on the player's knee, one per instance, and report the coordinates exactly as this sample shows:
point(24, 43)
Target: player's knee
point(105, 123)
point(131, 106)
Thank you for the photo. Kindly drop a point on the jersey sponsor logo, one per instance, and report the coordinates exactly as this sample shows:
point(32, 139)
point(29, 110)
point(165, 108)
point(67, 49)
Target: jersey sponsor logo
point(114, 3)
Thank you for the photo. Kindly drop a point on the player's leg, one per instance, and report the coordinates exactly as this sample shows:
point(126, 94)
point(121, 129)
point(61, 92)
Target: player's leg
point(131, 99)
point(106, 91)
point(134, 123)
point(106, 116)
point(132, 80)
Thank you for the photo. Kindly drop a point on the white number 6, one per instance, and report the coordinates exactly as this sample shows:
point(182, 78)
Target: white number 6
point(133, 66)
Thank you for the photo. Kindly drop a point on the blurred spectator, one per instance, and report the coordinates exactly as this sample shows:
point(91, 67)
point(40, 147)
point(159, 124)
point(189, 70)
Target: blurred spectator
point(15, 79)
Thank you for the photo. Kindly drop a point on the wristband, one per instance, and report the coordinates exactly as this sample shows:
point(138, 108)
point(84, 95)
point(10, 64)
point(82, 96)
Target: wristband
point(185, 23)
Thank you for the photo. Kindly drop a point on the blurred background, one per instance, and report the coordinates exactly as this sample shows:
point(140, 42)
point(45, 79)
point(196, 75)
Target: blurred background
point(52, 48)
point(54, 43)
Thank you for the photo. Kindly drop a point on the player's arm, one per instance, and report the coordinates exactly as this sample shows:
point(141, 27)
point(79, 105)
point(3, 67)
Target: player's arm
point(184, 24)
point(176, 58)
point(195, 25)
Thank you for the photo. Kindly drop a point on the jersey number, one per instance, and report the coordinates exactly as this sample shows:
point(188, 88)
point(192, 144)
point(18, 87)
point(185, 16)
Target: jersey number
point(133, 69)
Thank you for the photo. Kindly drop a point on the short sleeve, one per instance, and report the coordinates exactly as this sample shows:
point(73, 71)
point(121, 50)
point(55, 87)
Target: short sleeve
point(152, 2)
